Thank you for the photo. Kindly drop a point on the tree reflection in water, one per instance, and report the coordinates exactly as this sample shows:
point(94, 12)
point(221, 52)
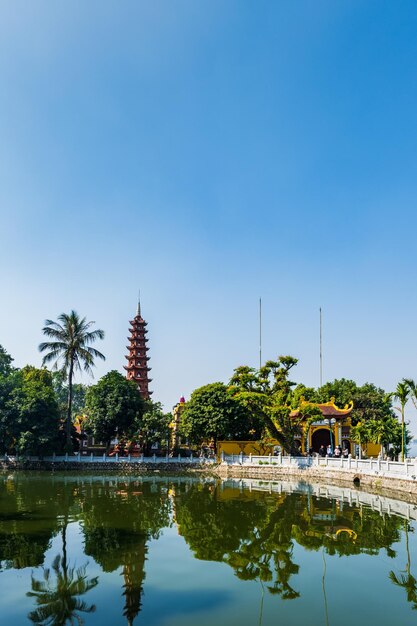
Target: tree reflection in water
point(406, 580)
point(119, 519)
point(58, 597)
point(255, 532)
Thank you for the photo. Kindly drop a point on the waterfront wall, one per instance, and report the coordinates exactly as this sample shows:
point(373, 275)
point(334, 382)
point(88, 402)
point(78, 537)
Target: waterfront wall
point(349, 495)
point(102, 465)
point(391, 476)
point(396, 478)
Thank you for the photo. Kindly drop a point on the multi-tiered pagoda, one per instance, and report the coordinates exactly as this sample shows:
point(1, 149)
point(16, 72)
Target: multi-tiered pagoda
point(137, 366)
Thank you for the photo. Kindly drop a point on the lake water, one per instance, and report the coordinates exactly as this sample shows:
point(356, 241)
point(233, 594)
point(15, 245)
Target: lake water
point(182, 552)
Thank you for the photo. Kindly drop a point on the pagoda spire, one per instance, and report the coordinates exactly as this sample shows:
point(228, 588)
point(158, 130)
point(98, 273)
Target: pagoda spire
point(137, 367)
point(138, 313)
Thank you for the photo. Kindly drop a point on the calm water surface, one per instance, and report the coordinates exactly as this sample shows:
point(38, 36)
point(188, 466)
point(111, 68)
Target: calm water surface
point(159, 552)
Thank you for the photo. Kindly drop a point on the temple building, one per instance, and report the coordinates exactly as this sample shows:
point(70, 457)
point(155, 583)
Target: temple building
point(137, 367)
point(333, 429)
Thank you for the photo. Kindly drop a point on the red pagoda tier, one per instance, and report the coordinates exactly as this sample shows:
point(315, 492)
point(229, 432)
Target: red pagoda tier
point(137, 366)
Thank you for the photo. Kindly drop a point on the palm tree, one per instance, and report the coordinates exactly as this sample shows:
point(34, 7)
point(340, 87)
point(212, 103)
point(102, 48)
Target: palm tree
point(58, 601)
point(412, 385)
point(70, 345)
point(402, 394)
point(407, 580)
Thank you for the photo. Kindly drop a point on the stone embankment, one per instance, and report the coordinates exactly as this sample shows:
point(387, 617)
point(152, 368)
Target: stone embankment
point(101, 467)
point(392, 478)
point(393, 486)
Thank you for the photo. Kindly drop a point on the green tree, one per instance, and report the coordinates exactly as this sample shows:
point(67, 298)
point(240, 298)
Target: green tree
point(152, 426)
point(29, 413)
point(268, 396)
point(402, 394)
point(71, 346)
point(213, 413)
point(5, 362)
point(61, 390)
point(78, 404)
point(114, 407)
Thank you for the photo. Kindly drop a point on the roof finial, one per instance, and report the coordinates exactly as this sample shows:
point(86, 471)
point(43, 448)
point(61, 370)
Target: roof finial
point(138, 313)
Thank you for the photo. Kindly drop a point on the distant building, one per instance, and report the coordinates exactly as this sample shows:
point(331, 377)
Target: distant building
point(177, 412)
point(137, 366)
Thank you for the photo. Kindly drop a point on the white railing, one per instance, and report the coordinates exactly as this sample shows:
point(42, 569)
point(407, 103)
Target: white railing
point(375, 467)
point(344, 495)
point(104, 458)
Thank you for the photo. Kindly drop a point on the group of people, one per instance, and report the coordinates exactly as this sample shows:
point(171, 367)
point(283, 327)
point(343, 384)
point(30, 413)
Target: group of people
point(337, 452)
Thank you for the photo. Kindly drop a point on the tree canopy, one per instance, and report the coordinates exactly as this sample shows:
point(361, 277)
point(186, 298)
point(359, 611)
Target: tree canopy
point(152, 425)
point(212, 413)
point(267, 394)
point(114, 407)
point(29, 413)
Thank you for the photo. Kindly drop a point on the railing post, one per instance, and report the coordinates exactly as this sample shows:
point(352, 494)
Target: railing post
point(79, 456)
point(280, 457)
point(154, 458)
point(191, 457)
point(53, 456)
point(66, 456)
point(179, 457)
point(117, 457)
point(222, 456)
point(269, 459)
point(250, 458)
point(91, 457)
point(104, 457)
point(241, 458)
point(141, 457)
point(349, 461)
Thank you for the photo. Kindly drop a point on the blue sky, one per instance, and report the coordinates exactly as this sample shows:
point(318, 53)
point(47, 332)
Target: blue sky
point(211, 153)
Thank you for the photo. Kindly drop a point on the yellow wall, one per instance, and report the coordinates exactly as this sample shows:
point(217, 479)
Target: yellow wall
point(246, 447)
point(258, 449)
point(372, 449)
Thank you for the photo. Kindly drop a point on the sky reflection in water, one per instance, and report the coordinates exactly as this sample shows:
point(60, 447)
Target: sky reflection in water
point(181, 551)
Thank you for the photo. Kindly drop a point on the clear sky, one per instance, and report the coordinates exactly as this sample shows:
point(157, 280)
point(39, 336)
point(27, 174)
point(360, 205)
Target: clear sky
point(211, 153)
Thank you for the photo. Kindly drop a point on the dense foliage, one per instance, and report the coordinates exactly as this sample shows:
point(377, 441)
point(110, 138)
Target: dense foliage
point(267, 393)
point(213, 413)
point(29, 413)
point(114, 407)
point(152, 426)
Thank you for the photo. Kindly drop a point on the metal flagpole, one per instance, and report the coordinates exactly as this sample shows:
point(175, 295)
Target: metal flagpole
point(321, 349)
point(260, 333)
